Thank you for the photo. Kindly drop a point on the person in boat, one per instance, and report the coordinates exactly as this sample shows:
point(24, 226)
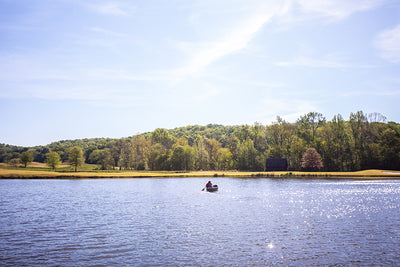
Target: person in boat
point(209, 184)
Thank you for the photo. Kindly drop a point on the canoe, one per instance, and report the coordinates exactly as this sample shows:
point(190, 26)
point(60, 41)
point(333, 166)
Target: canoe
point(213, 188)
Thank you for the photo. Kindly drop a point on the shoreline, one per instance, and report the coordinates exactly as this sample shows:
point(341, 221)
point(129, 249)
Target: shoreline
point(41, 174)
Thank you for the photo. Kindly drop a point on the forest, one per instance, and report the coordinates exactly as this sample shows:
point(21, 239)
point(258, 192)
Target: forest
point(364, 141)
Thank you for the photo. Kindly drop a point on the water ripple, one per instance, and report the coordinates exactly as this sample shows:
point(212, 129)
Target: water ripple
point(170, 222)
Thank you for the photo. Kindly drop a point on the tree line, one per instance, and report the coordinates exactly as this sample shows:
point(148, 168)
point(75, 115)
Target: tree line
point(364, 141)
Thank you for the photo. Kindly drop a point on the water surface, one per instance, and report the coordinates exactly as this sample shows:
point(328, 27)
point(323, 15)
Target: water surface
point(169, 222)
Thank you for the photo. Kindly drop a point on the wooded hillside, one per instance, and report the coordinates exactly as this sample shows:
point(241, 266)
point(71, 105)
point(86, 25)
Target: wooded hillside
point(364, 141)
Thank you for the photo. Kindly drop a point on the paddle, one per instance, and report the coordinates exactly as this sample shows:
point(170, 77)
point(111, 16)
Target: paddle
point(203, 189)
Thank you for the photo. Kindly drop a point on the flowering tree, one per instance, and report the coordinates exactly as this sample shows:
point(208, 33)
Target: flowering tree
point(311, 160)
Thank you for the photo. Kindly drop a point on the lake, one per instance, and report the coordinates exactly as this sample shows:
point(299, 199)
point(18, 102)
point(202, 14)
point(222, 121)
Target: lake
point(171, 222)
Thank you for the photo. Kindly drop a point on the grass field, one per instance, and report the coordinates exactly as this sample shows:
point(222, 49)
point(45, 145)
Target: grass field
point(35, 166)
point(40, 170)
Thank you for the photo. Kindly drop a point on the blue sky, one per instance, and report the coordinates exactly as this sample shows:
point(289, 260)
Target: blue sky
point(74, 69)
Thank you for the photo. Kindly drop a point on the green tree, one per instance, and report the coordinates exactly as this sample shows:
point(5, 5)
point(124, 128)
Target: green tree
point(201, 156)
point(308, 125)
point(140, 150)
point(94, 157)
point(115, 150)
point(390, 145)
point(260, 138)
point(224, 159)
point(53, 159)
point(178, 158)
point(365, 141)
point(212, 146)
point(358, 124)
point(26, 158)
point(281, 137)
point(40, 154)
point(14, 162)
point(183, 158)
point(374, 148)
point(155, 156)
point(105, 159)
point(125, 160)
point(334, 145)
point(296, 150)
point(189, 157)
point(162, 137)
point(341, 144)
point(247, 156)
point(244, 132)
point(159, 157)
point(233, 146)
point(75, 157)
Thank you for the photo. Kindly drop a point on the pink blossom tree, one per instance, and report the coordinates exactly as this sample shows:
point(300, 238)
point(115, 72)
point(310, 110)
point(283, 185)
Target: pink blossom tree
point(311, 160)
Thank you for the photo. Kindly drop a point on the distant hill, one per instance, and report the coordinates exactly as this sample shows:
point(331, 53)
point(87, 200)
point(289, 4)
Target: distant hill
point(362, 142)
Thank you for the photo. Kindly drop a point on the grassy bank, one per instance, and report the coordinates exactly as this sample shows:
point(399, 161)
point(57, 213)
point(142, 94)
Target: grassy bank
point(64, 173)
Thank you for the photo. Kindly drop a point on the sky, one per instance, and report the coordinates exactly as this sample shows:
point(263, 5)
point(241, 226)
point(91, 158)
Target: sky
point(72, 69)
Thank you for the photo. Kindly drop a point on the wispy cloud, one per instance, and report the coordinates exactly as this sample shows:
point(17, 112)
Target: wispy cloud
point(233, 41)
point(388, 42)
point(294, 12)
point(238, 38)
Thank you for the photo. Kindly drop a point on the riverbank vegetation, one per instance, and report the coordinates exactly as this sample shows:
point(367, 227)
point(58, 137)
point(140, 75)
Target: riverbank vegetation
point(40, 171)
point(364, 141)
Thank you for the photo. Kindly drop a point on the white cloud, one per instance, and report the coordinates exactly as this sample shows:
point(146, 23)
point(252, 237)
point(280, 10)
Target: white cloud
point(294, 12)
point(237, 38)
point(388, 42)
point(203, 54)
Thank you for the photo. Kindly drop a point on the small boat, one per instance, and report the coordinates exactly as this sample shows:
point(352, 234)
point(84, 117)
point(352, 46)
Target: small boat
point(212, 189)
